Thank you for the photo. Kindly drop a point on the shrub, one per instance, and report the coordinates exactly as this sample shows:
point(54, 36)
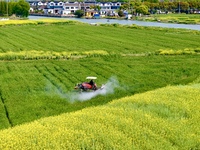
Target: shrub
point(79, 13)
point(120, 13)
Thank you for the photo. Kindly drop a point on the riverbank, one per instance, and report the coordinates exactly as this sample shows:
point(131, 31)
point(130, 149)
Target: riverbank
point(162, 18)
point(171, 18)
point(114, 21)
point(126, 22)
point(53, 15)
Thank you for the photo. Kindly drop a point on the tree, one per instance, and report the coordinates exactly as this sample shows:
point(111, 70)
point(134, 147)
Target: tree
point(124, 6)
point(21, 8)
point(3, 8)
point(120, 13)
point(153, 7)
point(152, 1)
point(184, 6)
point(171, 6)
point(163, 6)
point(79, 13)
point(142, 9)
point(95, 7)
point(193, 5)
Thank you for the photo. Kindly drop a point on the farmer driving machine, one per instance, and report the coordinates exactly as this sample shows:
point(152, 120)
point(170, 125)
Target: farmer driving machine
point(90, 85)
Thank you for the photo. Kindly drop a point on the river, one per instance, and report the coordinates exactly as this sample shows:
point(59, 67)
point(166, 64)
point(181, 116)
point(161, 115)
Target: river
point(128, 22)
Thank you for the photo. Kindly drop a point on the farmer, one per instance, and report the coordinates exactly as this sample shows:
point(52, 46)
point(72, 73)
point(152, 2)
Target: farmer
point(91, 83)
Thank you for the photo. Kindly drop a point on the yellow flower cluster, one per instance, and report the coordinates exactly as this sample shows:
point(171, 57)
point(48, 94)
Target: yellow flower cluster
point(167, 118)
point(39, 54)
point(178, 52)
point(16, 22)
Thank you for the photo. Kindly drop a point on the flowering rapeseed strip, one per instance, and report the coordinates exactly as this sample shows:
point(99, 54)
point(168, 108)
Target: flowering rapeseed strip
point(36, 54)
point(166, 118)
point(34, 22)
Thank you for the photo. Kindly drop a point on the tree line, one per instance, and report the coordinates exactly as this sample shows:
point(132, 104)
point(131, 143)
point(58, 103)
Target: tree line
point(151, 1)
point(148, 7)
point(19, 8)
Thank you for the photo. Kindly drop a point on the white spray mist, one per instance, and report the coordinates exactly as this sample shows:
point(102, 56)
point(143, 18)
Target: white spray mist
point(108, 88)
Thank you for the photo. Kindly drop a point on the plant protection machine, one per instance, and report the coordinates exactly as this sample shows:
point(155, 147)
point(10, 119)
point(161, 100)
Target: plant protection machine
point(88, 85)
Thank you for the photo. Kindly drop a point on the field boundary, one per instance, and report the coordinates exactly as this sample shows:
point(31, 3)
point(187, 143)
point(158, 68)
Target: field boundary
point(37, 54)
point(5, 108)
point(42, 55)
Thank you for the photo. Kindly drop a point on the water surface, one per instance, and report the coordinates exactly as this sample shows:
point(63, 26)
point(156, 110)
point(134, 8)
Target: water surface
point(129, 22)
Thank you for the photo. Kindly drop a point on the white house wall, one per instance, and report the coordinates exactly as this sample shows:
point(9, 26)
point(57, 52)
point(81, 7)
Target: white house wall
point(69, 8)
point(66, 12)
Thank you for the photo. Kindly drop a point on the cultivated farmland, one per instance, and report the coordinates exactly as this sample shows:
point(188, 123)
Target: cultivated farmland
point(42, 62)
point(67, 37)
point(167, 118)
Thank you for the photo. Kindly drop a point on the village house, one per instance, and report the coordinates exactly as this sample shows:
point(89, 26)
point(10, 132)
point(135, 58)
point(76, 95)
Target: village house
point(109, 8)
point(36, 6)
point(54, 8)
point(69, 8)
